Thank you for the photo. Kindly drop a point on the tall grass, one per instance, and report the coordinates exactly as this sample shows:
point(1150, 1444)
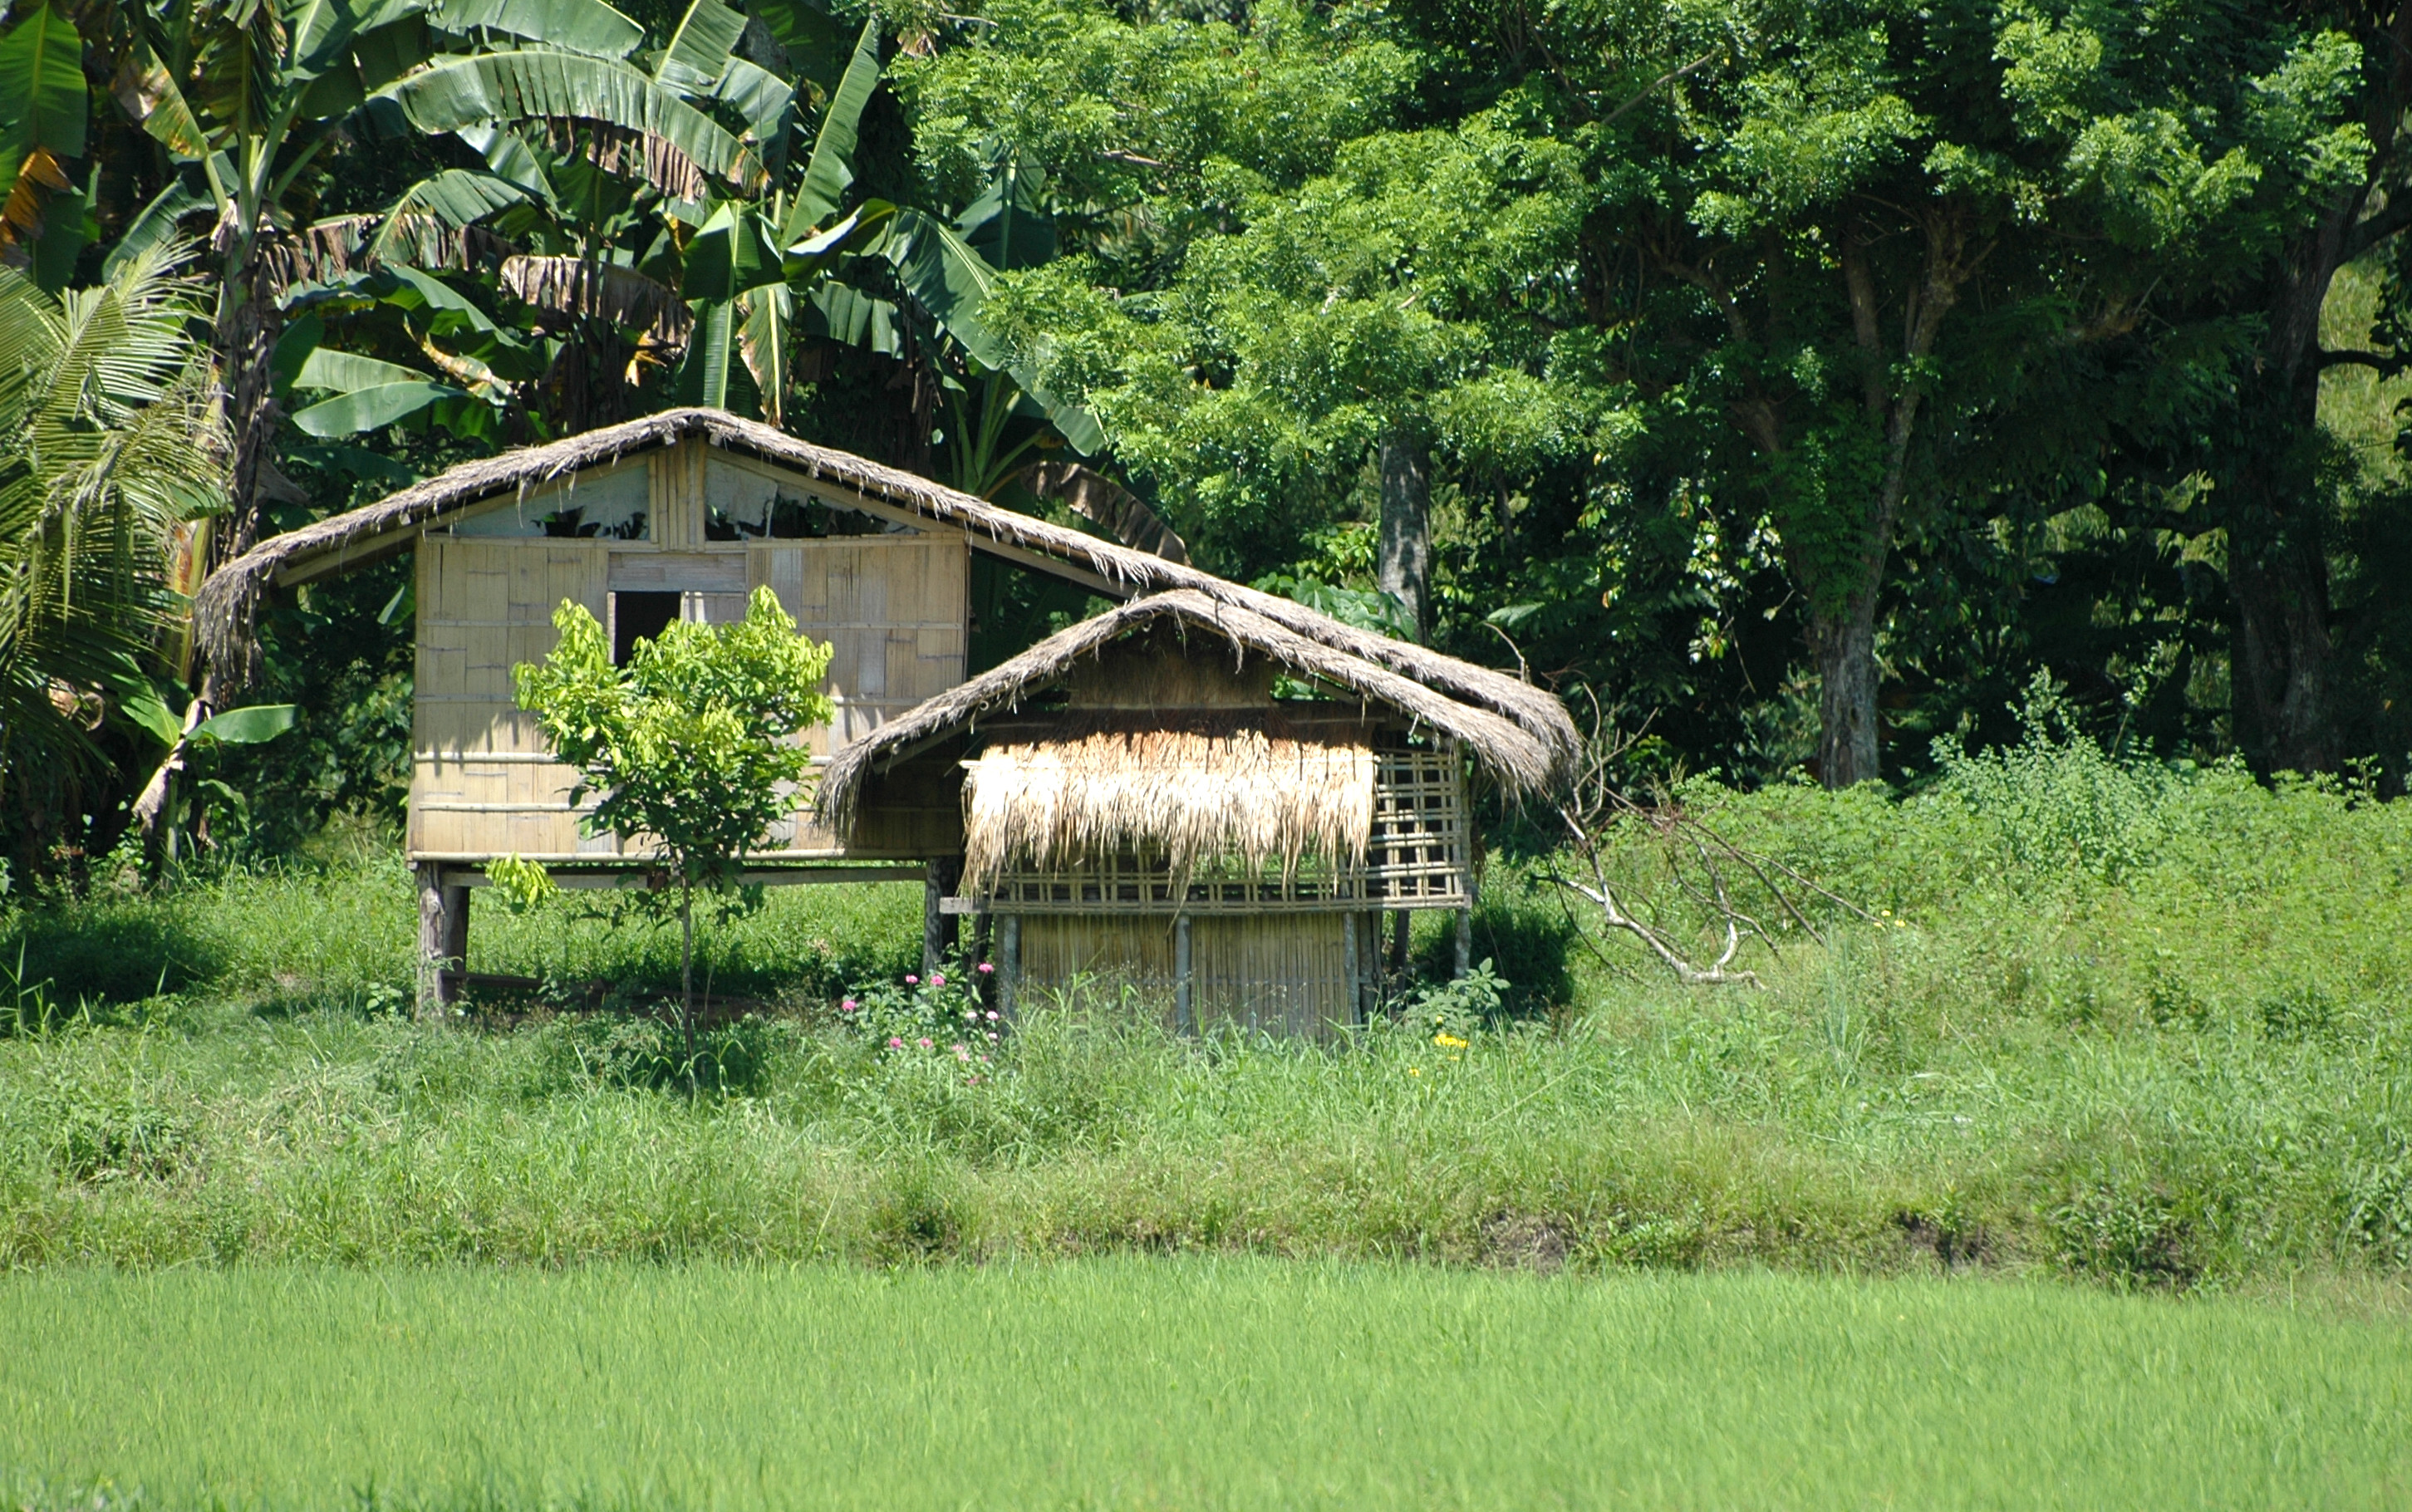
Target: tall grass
point(1205, 1384)
point(2129, 1022)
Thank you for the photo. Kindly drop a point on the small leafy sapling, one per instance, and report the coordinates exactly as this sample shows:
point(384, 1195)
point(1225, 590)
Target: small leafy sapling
point(691, 743)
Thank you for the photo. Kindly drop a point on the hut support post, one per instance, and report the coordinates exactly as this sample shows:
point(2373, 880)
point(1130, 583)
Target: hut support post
point(1184, 1016)
point(443, 940)
point(1464, 941)
point(1008, 963)
point(937, 925)
point(1355, 977)
point(1369, 960)
point(1398, 939)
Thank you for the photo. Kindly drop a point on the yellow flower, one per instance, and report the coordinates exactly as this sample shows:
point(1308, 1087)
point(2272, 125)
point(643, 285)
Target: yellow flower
point(1415, 1070)
point(1449, 1040)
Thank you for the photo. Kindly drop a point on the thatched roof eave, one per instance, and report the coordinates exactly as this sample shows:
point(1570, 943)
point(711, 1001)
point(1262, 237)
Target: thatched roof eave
point(1521, 763)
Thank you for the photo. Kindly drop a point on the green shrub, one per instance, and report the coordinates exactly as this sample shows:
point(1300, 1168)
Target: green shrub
point(642, 1051)
point(2128, 1234)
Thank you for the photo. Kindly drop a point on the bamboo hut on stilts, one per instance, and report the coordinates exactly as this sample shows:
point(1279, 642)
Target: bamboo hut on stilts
point(1207, 787)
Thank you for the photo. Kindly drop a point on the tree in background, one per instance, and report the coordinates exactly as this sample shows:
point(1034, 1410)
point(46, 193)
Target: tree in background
point(111, 449)
point(692, 745)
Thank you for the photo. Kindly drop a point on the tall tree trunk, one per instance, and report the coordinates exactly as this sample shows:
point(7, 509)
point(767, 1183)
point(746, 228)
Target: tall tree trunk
point(2270, 495)
point(2280, 655)
point(249, 322)
point(1843, 645)
point(1844, 594)
point(247, 332)
point(1403, 565)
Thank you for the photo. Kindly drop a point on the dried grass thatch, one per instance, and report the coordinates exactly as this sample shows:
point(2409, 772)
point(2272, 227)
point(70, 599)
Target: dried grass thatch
point(224, 607)
point(1251, 790)
point(1520, 762)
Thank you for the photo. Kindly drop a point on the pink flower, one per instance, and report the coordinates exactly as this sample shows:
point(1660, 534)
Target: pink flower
point(937, 978)
point(962, 1053)
point(992, 1037)
point(991, 1016)
point(845, 1007)
point(985, 968)
point(924, 1043)
point(894, 1043)
point(912, 981)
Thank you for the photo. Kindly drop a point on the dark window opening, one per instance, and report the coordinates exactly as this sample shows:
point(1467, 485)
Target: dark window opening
point(572, 524)
point(638, 617)
point(786, 519)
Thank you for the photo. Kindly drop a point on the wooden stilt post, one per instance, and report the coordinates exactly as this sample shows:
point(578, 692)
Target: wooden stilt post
point(937, 925)
point(1355, 975)
point(1464, 941)
point(1369, 960)
point(1008, 963)
point(1184, 1015)
point(1398, 939)
point(443, 940)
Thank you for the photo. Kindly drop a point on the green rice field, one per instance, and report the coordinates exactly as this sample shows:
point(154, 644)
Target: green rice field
point(1152, 1382)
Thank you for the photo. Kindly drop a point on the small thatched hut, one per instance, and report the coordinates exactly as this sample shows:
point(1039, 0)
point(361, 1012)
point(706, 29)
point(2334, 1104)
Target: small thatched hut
point(681, 515)
point(1184, 793)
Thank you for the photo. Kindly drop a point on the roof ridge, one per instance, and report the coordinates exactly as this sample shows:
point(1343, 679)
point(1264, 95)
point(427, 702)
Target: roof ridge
point(225, 605)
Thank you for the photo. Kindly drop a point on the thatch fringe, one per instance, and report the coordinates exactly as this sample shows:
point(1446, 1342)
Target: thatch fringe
point(1521, 763)
point(223, 609)
point(1186, 791)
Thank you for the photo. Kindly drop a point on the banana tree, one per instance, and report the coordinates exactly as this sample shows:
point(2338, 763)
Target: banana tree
point(44, 118)
point(246, 95)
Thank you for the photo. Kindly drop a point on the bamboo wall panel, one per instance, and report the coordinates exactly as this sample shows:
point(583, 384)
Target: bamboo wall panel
point(893, 606)
point(1102, 954)
point(483, 782)
point(1278, 974)
point(1282, 974)
point(893, 609)
point(678, 494)
point(1419, 853)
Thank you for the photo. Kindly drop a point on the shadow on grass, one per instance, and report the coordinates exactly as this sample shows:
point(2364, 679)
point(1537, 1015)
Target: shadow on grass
point(1524, 935)
point(105, 952)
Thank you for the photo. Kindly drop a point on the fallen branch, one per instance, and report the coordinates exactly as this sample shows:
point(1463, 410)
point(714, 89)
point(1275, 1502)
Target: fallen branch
point(1698, 859)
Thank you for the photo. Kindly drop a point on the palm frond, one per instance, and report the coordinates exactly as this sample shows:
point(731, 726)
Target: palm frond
point(110, 438)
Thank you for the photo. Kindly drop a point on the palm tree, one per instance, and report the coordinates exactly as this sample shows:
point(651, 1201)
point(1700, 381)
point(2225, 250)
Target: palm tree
point(112, 445)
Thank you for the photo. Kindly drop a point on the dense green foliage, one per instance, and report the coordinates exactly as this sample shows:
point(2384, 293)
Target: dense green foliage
point(1800, 378)
point(1208, 1384)
point(109, 450)
point(2122, 1021)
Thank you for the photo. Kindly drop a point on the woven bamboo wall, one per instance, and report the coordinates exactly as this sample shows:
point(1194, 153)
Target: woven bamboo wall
point(1284, 974)
point(1280, 974)
point(893, 606)
point(482, 781)
point(1109, 950)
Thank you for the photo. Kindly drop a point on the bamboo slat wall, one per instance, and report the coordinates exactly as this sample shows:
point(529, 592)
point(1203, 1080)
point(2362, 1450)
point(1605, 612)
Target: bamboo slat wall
point(483, 782)
point(893, 606)
point(1278, 974)
point(1283, 974)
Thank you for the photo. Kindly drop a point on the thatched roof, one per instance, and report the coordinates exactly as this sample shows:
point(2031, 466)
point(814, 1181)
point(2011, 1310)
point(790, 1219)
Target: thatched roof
point(1520, 761)
point(1222, 787)
point(223, 611)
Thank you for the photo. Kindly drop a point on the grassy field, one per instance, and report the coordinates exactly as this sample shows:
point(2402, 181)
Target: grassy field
point(1196, 1383)
point(2144, 1026)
